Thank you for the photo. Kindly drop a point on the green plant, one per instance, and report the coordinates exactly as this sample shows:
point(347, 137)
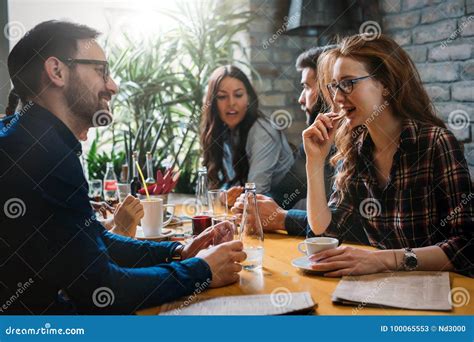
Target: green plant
point(97, 160)
point(162, 84)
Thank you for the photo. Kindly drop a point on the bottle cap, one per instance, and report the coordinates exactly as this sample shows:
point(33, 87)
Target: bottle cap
point(250, 186)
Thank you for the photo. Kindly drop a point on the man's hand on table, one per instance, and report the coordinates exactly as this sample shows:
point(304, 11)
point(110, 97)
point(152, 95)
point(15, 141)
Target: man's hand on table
point(233, 193)
point(220, 233)
point(223, 261)
point(127, 216)
point(271, 215)
point(346, 260)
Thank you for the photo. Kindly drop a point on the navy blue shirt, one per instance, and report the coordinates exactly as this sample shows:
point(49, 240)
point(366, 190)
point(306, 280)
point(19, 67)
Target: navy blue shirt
point(55, 257)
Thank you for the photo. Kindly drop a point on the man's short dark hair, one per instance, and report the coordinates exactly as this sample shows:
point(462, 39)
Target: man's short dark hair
point(50, 38)
point(309, 58)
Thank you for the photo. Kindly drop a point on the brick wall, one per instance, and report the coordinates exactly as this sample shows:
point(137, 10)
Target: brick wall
point(437, 34)
point(439, 37)
point(273, 55)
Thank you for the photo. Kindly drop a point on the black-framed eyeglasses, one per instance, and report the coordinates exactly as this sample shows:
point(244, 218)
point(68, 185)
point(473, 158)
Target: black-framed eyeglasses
point(346, 86)
point(105, 71)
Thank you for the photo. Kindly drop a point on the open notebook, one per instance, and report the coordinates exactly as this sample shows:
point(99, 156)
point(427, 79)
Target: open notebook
point(289, 303)
point(406, 290)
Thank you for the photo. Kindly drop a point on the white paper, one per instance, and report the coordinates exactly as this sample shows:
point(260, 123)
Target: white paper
point(407, 290)
point(241, 305)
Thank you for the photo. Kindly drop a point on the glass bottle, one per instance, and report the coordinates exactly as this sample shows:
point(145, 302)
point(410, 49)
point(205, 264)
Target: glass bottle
point(149, 170)
point(135, 184)
point(202, 193)
point(110, 186)
point(251, 232)
point(124, 174)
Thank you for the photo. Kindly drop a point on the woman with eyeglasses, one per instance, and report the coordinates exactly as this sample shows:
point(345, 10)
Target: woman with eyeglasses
point(401, 178)
point(240, 144)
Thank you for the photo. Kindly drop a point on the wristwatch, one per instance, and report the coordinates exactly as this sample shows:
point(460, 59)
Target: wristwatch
point(177, 256)
point(410, 261)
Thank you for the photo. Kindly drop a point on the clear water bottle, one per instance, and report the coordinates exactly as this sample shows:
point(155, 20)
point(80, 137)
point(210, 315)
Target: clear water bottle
point(202, 192)
point(110, 186)
point(251, 232)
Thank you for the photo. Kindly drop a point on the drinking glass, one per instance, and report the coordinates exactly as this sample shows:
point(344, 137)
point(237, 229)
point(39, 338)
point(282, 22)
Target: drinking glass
point(233, 221)
point(218, 202)
point(123, 190)
point(95, 190)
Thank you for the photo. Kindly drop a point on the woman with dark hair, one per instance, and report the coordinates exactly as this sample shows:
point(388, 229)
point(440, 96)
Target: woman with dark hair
point(239, 143)
point(401, 176)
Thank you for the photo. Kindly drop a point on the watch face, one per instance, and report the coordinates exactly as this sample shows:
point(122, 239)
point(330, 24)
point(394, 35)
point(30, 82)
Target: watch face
point(411, 262)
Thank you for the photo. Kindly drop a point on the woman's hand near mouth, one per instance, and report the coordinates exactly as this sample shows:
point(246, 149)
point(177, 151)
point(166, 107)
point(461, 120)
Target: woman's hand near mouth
point(318, 138)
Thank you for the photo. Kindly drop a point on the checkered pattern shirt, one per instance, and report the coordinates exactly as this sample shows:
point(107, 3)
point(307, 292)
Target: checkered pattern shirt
point(428, 199)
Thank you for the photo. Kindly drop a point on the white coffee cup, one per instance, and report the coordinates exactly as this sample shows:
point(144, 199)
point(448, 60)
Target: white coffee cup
point(152, 221)
point(317, 244)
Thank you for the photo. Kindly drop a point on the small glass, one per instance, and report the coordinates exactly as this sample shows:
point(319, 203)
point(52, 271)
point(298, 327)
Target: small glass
point(218, 202)
point(233, 221)
point(200, 223)
point(123, 190)
point(95, 190)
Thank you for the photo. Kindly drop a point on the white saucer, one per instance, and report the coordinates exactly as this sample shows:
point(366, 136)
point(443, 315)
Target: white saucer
point(165, 233)
point(304, 264)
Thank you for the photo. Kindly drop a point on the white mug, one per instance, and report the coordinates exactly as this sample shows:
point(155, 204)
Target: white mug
point(317, 244)
point(152, 221)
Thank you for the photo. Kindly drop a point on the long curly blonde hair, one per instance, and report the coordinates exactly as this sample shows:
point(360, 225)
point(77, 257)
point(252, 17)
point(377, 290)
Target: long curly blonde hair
point(391, 65)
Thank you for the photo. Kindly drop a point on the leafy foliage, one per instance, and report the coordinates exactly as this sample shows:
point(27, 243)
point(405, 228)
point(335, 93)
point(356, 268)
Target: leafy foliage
point(162, 84)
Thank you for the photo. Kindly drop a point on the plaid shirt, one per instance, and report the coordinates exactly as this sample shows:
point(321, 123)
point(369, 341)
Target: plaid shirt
point(428, 199)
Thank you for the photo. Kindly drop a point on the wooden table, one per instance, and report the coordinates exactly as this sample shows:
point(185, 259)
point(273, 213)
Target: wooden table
point(277, 272)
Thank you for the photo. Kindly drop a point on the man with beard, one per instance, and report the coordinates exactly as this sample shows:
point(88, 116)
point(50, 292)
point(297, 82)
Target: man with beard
point(49, 237)
point(275, 212)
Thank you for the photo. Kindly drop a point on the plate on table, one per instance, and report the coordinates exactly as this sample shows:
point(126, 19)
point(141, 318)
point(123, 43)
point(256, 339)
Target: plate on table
point(304, 264)
point(165, 234)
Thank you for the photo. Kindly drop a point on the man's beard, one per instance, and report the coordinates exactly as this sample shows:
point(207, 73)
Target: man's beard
point(81, 101)
point(313, 112)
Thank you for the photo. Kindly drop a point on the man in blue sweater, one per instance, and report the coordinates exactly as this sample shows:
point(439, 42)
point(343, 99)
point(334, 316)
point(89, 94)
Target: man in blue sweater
point(55, 258)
